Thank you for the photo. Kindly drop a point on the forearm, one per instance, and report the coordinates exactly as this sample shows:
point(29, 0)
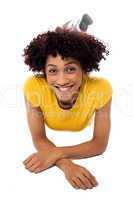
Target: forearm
point(83, 150)
point(45, 144)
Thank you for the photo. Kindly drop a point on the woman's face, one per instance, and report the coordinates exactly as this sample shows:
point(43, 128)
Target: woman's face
point(64, 77)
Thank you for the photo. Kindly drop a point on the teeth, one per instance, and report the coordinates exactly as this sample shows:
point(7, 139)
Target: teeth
point(64, 89)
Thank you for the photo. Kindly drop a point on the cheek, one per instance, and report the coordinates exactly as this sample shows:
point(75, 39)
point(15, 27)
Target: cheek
point(77, 77)
point(50, 80)
point(78, 80)
point(77, 85)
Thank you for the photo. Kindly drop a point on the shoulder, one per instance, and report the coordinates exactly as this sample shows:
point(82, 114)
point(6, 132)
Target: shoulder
point(35, 77)
point(99, 83)
point(103, 85)
point(34, 81)
point(101, 89)
point(33, 89)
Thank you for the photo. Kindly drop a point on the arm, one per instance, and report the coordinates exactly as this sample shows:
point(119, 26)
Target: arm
point(71, 170)
point(99, 141)
point(37, 128)
point(84, 150)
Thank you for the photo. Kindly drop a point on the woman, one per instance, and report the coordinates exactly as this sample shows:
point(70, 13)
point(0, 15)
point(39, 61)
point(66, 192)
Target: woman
point(65, 96)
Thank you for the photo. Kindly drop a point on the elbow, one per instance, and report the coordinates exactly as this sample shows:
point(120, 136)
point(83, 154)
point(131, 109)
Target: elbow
point(100, 148)
point(99, 152)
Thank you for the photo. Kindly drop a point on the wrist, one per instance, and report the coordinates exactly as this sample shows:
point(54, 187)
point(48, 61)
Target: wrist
point(59, 152)
point(63, 163)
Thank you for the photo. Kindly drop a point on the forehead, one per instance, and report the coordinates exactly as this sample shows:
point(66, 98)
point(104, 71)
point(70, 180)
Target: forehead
point(58, 59)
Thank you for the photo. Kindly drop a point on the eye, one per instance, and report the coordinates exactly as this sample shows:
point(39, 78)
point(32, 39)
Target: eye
point(52, 71)
point(70, 69)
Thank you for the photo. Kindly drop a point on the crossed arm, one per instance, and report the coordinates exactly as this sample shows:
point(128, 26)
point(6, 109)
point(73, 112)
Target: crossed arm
point(94, 147)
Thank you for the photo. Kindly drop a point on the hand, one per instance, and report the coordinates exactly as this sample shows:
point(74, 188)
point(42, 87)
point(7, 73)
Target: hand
point(41, 160)
point(79, 177)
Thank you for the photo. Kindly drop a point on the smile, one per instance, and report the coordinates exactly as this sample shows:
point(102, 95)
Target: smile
point(64, 89)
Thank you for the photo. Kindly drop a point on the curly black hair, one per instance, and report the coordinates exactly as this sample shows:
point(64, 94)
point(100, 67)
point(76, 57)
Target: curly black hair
point(80, 46)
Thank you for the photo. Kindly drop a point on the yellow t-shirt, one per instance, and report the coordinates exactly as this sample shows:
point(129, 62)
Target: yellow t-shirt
point(94, 93)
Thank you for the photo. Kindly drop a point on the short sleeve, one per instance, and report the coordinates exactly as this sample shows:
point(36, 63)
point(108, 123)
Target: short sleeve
point(31, 91)
point(104, 92)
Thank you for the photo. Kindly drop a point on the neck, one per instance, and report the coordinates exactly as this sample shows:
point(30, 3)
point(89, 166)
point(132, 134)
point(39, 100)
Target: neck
point(69, 104)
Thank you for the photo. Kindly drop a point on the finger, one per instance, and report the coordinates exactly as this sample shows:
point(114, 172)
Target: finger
point(80, 183)
point(38, 170)
point(28, 159)
point(34, 166)
point(74, 185)
point(91, 178)
point(86, 182)
point(32, 162)
point(94, 181)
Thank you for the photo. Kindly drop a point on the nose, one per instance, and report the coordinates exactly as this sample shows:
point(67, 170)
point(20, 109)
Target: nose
point(62, 79)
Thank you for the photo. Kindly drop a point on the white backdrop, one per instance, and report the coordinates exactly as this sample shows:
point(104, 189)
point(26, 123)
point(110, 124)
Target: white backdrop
point(20, 21)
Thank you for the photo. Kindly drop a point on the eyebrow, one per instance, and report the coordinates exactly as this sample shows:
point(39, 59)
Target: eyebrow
point(71, 62)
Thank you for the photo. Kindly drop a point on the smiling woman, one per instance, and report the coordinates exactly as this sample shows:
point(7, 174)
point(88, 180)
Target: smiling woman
point(66, 96)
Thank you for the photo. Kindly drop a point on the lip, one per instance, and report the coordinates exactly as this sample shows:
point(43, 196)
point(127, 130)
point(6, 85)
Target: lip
point(69, 88)
point(64, 86)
